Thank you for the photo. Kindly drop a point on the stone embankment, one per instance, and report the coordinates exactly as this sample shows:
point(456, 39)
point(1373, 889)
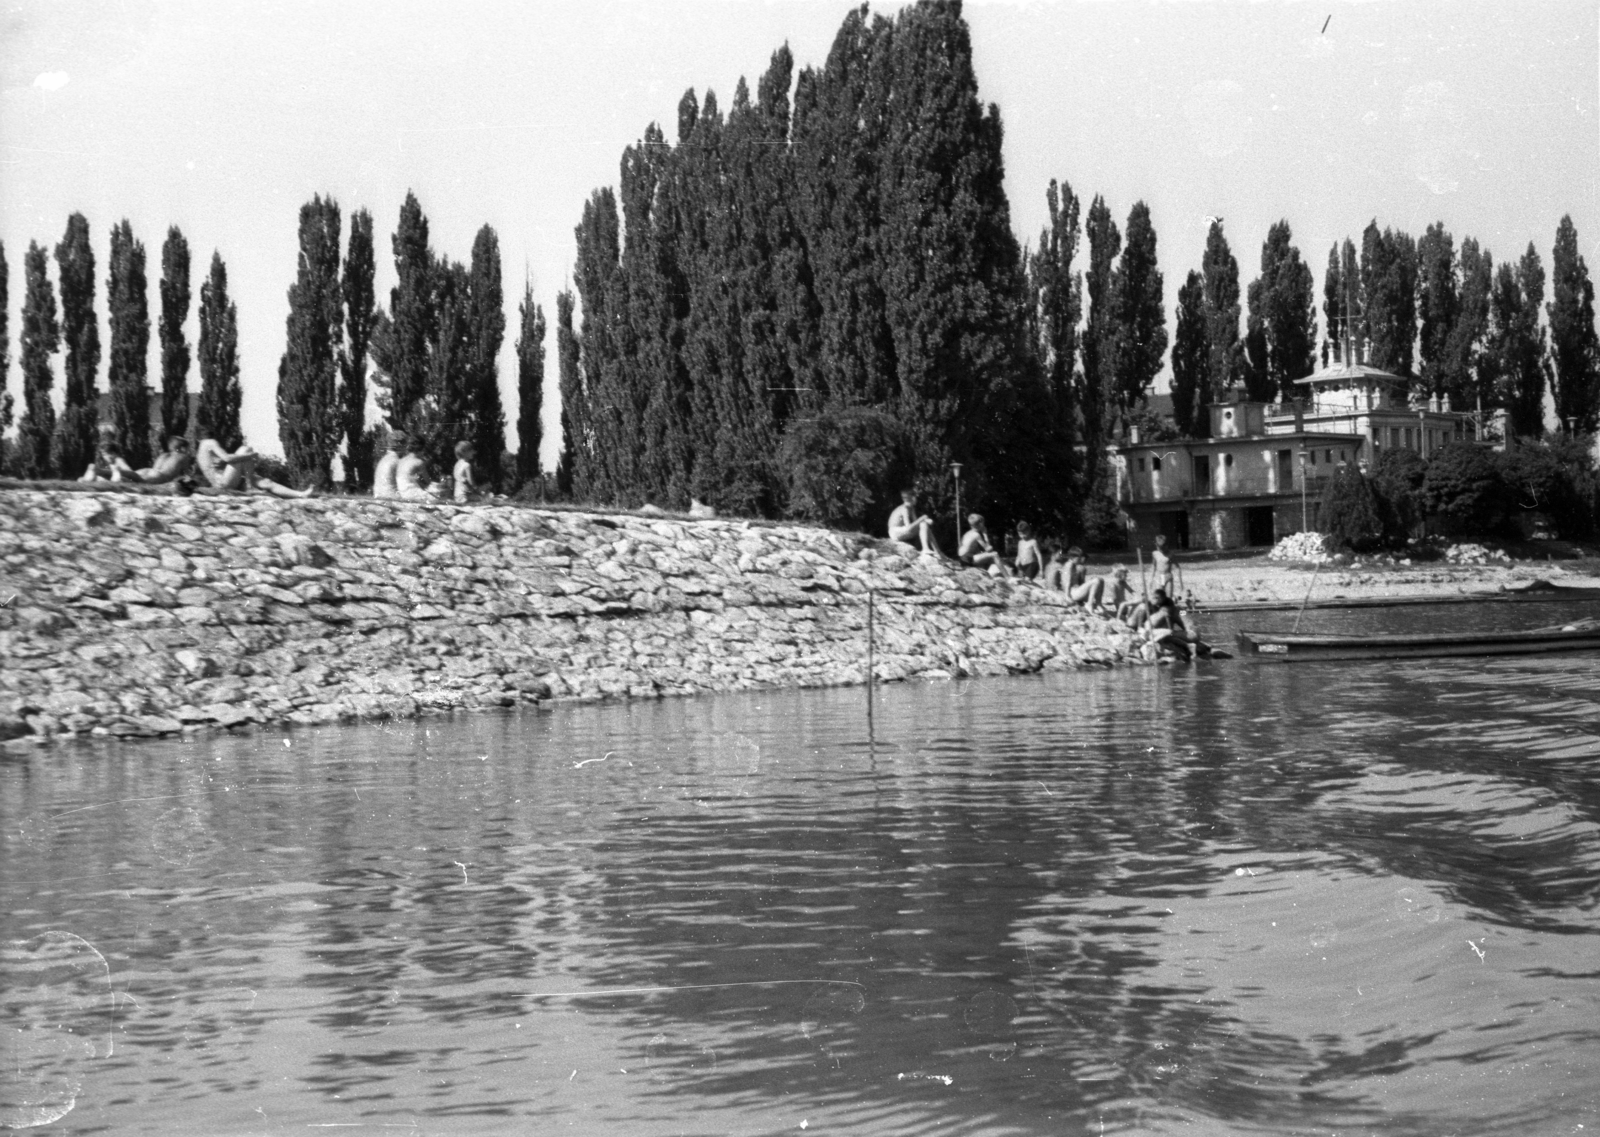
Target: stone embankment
point(139, 615)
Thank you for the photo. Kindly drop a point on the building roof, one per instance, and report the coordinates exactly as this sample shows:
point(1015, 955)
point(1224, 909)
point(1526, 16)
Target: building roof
point(1352, 373)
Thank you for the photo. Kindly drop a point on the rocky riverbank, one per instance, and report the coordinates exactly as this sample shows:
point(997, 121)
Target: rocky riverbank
point(134, 615)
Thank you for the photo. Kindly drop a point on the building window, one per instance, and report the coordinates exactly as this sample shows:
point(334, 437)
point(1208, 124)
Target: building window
point(1227, 459)
point(1329, 457)
point(1155, 463)
point(1313, 457)
point(1141, 465)
point(1341, 456)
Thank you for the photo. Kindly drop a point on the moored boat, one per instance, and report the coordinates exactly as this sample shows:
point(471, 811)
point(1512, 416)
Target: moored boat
point(1580, 635)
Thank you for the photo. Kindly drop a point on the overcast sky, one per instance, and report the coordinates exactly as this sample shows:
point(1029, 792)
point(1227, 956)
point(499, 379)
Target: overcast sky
point(224, 117)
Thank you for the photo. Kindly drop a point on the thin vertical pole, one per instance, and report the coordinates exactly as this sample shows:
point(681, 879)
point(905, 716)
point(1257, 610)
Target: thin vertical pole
point(871, 647)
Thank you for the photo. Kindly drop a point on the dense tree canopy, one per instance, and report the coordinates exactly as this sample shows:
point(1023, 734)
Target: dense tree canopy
point(39, 340)
point(73, 443)
point(360, 314)
point(310, 422)
point(217, 412)
point(175, 355)
point(1281, 337)
point(1574, 348)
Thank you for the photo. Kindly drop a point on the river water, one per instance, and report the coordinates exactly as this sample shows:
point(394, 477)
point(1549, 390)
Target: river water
point(1230, 898)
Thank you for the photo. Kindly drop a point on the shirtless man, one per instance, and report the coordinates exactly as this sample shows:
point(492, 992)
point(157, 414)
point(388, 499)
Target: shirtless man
point(976, 548)
point(1167, 629)
point(906, 523)
point(465, 487)
point(1161, 566)
point(237, 471)
point(1080, 587)
point(172, 465)
point(1029, 562)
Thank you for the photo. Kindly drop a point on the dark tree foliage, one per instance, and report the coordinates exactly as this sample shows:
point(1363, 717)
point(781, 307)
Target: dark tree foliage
point(40, 338)
point(310, 418)
point(1465, 349)
point(530, 386)
point(360, 317)
point(401, 337)
point(127, 296)
point(1560, 476)
point(1398, 478)
point(1225, 354)
point(446, 413)
point(1518, 360)
point(1439, 307)
point(175, 355)
point(1574, 348)
point(5, 352)
point(846, 466)
point(73, 444)
point(487, 331)
point(572, 469)
point(1464, 491)
point(217, 412)
point(1389, 299)
point(1281, 336)
point(766, 268)
point(1104, 242)
point(1350, 514)
point(1056, 295)
point(1139, 325)
point(1341, 303)
point(1191, 359)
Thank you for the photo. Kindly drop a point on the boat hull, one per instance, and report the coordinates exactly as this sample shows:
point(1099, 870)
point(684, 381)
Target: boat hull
point(1292, 647)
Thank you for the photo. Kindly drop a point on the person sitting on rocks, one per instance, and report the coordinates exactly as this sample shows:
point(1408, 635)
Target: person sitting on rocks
point(465, 487)
point(1117, 594)
point(1079, 586)
point(383, 474)
point(173, 464)
point(409, 475)
point(109, 464)
point(906, 524)
point(237, 471)
point(976, 548)
point(1055, 570)
point(1167, 628)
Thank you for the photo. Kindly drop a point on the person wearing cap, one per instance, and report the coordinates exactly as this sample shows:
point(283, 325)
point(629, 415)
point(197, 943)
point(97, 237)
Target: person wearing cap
point(383, 475)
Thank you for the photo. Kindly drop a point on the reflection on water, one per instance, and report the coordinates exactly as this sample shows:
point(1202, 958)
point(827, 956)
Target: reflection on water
point(1272, 899)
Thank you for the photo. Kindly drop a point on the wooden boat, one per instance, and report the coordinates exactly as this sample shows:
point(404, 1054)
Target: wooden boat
point(1581, 635)
point(1534, 591)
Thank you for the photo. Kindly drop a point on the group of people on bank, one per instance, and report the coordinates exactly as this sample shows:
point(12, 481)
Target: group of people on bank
point(1060, 569)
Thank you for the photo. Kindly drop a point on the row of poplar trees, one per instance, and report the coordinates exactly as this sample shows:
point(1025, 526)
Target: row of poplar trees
point(838, 277)
point(433, 352)
point(1460, 329)
point(50, 445)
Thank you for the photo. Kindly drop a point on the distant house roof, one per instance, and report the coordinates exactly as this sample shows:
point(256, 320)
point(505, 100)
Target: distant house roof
point(1352, 372)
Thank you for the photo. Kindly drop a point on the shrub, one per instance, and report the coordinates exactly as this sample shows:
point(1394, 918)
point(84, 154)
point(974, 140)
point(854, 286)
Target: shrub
point(845, 467)
point(1397, 480)
point(1103, 526)
point(1463, 488)
point(1557, 478)
point(1349, 513)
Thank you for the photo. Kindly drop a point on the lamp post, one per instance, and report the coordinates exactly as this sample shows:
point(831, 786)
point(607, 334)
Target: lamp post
point(1302, 489)
point(955, 469)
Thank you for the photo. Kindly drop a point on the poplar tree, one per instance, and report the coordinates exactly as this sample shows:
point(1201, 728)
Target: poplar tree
point(1056, 293)
point(445, 413)
point(608, 458)
point(1281, 330)
point(572, 464)
point(5, 354)
point(175, 356)
point(1104, 243)
point(73, 443)
point(127, 295)
point(1191, 359)
point(1516, 343)
point(356, 290)
point(1574, 348)
point(1389, 299)
point(530, 386)
point(40, 338)
point(310, 419)
point(217, 412)
point(1439, 309)
point(487, 331)
point(1139, 326)
point(1341, 303)
point(400, 337)
point(1219, 272)
point(1465, 348)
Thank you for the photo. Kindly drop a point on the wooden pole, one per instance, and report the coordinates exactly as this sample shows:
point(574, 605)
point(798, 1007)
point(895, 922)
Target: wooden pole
point(1144, 585)
point(871, 646)
point(1307, 600)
